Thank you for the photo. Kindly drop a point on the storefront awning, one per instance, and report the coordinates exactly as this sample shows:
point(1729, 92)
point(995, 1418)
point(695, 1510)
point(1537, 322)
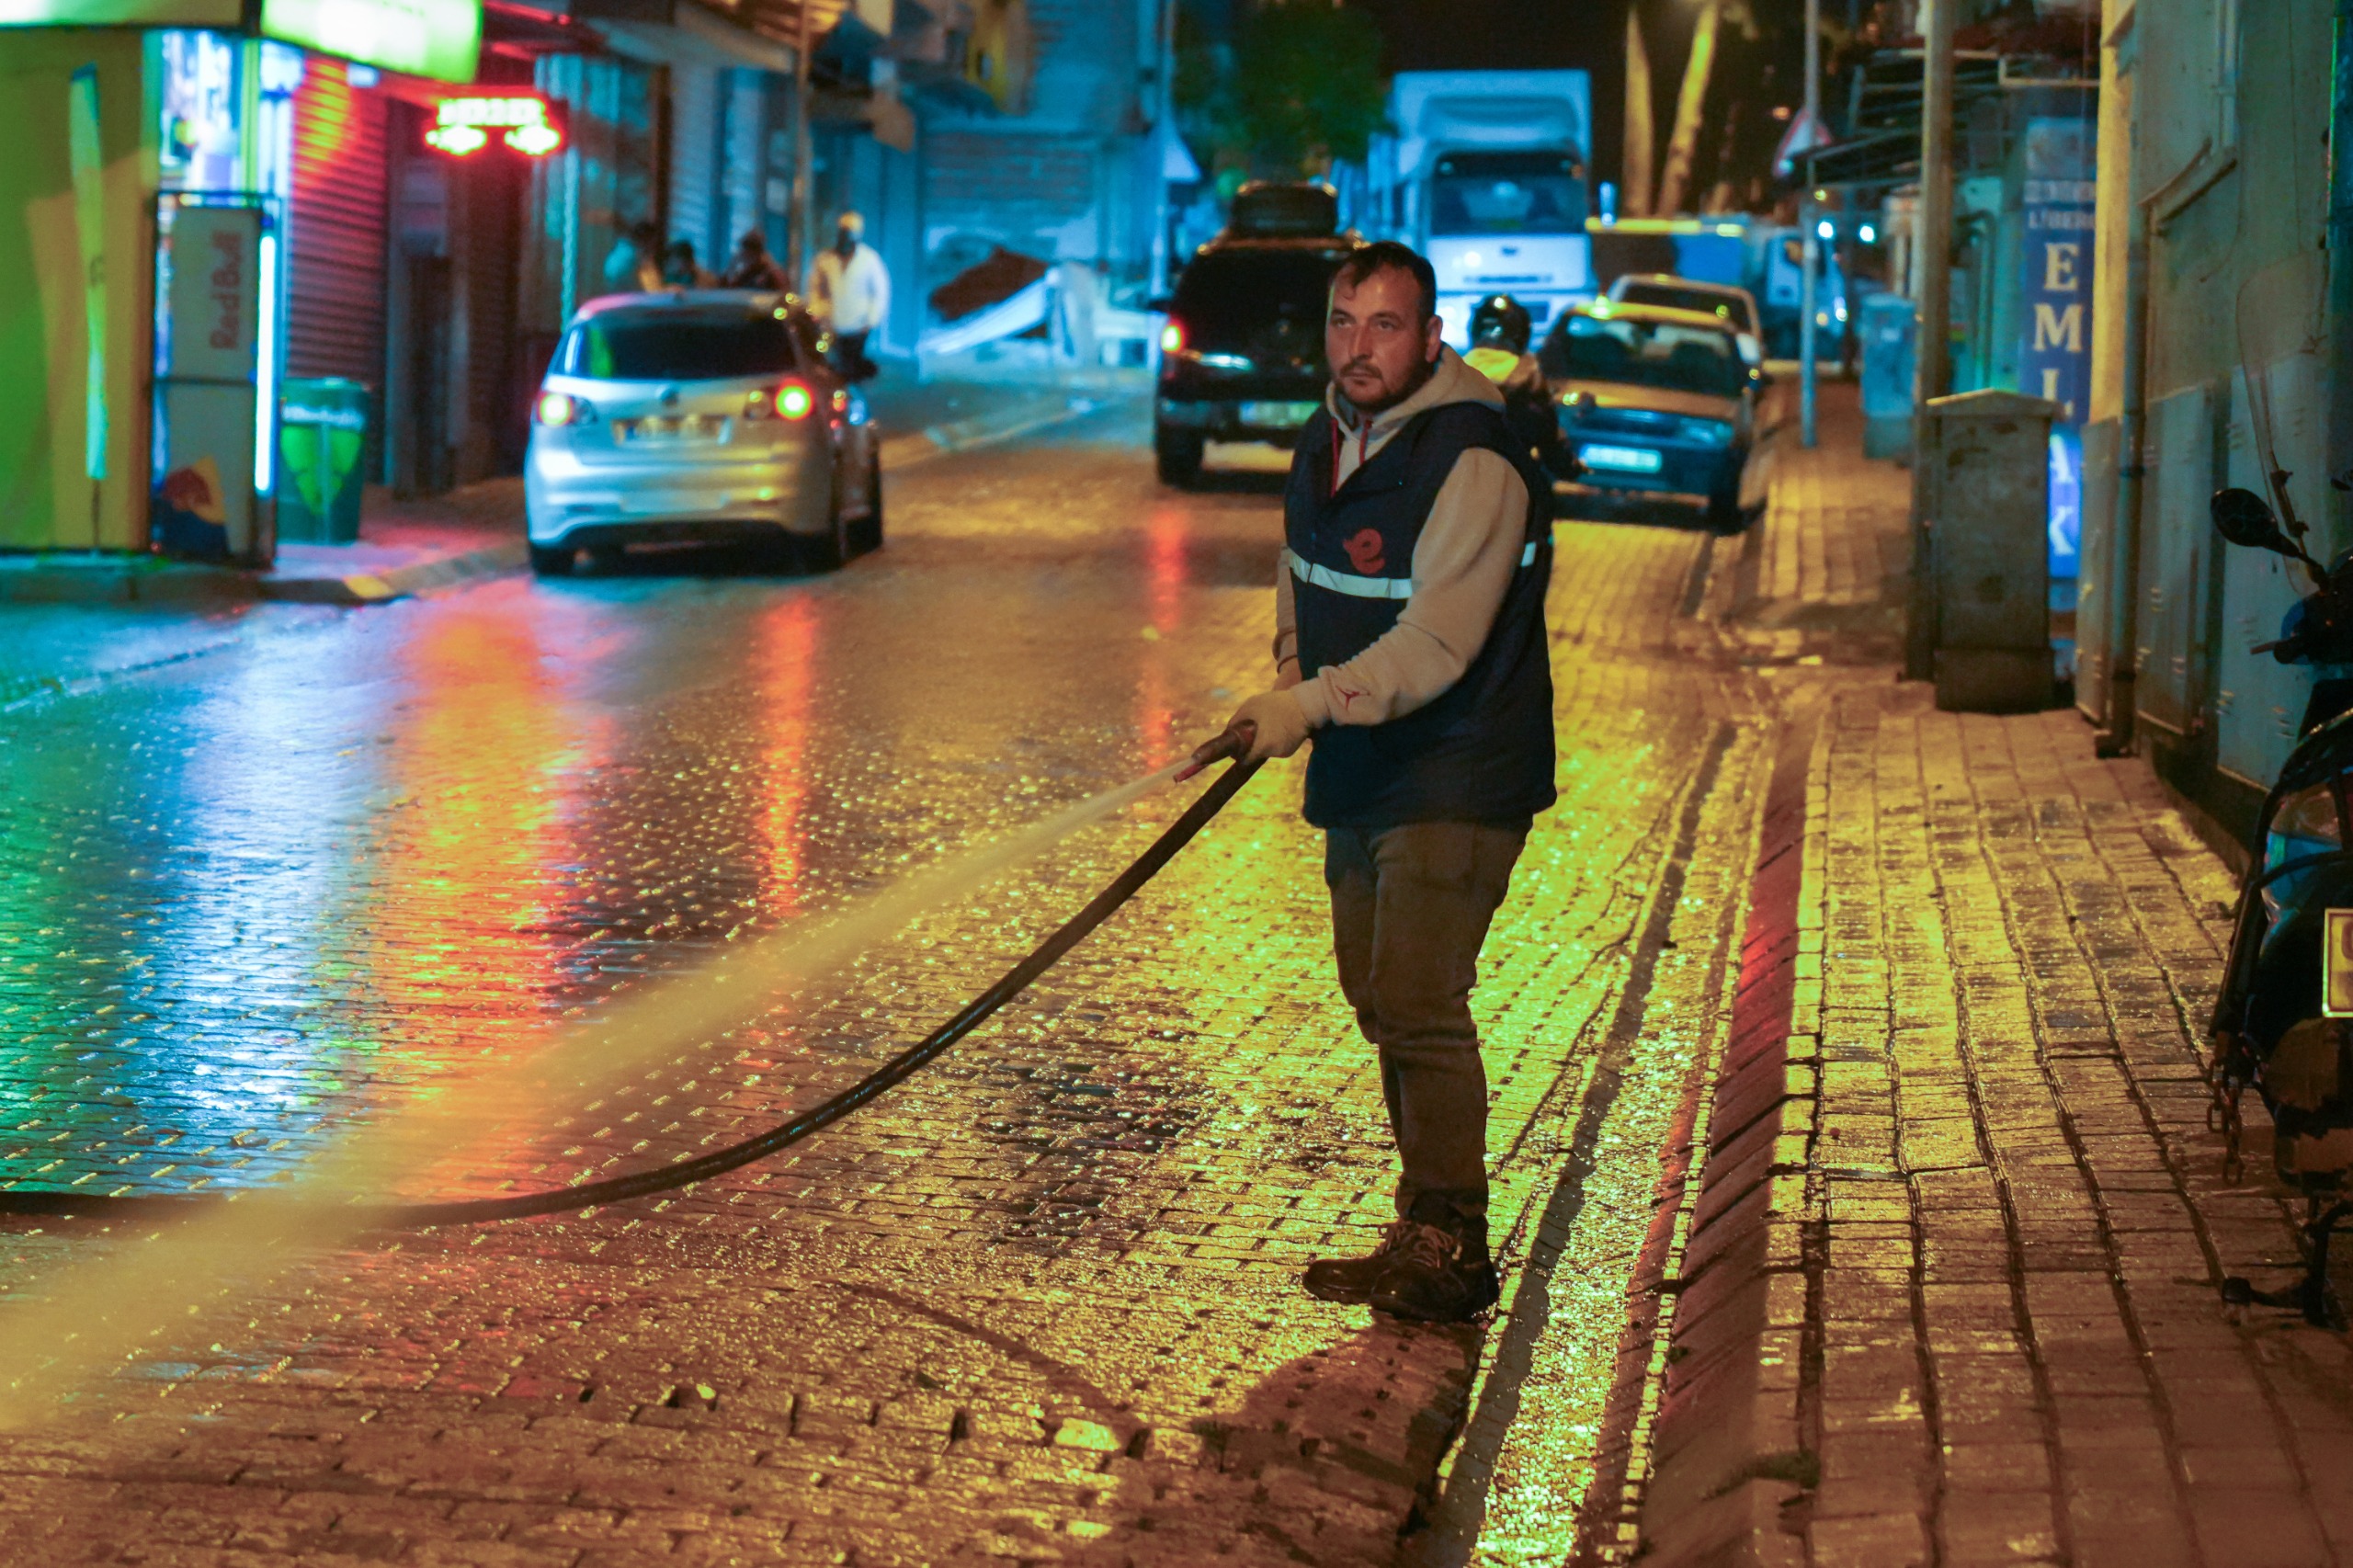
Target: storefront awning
point(1882, 141)
point(682, 32)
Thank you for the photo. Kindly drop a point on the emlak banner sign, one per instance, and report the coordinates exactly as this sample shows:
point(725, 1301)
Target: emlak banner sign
point(2054, 359)
point(2055, 341)
point(440, 38)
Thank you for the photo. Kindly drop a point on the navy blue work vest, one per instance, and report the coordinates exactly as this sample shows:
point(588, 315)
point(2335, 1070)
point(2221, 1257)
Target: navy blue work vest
point(1482, 751)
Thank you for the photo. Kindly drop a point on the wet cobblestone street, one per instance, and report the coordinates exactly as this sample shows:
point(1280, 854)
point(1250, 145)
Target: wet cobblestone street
point(1038, 1304)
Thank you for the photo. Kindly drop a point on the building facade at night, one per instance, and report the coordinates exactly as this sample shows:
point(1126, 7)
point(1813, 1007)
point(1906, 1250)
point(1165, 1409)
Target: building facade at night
point(430, 276)
point(2219, 358)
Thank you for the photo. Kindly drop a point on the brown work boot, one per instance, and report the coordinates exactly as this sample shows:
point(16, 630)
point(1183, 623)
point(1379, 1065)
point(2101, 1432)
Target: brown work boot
point(1349, 1280)
point(1438, 1274)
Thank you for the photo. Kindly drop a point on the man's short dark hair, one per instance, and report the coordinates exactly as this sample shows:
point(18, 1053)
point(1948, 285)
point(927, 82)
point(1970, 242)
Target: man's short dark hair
point(1387, 255)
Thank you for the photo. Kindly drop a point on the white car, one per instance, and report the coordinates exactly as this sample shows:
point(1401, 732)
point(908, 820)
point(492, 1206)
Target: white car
point(699, 415)
point(1734, 306)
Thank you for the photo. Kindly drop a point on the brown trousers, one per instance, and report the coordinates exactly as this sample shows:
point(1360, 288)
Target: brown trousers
point(1410, 909)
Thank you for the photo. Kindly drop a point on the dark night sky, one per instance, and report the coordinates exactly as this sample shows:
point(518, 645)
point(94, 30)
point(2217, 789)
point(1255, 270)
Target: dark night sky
point(1751, 75)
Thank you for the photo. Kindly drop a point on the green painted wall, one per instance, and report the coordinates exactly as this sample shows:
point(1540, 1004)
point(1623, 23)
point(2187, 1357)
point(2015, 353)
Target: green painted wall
point(49, 279)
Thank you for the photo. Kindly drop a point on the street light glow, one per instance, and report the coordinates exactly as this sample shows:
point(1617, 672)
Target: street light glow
point(1826, 229)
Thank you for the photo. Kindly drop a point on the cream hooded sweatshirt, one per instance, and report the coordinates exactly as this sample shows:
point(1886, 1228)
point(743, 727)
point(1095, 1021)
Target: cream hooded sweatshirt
point(1462, 563)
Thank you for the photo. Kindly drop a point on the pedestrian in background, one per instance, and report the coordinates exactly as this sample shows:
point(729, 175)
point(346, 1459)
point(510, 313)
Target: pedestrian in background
point(1500, 330)
point(635, 260)
point(753, 267)
point(681, 270)
point(849, 291)
point(1410, 644)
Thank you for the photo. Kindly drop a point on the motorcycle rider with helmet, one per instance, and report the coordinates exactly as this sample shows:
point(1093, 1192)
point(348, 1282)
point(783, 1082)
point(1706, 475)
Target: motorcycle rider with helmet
point(1500, 330)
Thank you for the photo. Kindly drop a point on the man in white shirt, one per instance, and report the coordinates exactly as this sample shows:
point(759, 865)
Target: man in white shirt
point(849, 291)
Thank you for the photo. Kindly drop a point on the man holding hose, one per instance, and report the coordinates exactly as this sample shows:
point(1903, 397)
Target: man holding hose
point(1410, 645)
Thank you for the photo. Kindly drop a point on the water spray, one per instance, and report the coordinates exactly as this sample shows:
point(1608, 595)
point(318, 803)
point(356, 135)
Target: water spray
point(96, 1317)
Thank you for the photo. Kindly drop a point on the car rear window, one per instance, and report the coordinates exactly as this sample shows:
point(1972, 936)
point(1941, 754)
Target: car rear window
point(1241, 291)
point(1647, 354)
point(1290, 209)
point(1704, 301)
point(642, 347)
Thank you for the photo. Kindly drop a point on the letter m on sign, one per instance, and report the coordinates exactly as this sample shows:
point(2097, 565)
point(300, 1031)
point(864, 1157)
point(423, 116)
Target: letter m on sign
point(2055, 328)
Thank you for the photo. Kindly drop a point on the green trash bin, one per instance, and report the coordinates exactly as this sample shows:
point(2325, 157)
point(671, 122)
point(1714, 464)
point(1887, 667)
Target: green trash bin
point(322, 430)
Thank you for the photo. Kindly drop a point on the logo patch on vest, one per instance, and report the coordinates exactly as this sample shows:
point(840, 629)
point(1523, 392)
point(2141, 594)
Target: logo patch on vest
point(1365, 551)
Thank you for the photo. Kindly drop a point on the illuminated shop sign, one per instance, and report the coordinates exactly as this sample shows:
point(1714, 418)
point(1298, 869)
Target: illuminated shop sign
point(120, 13)
point(440, 38)
point(523, 121)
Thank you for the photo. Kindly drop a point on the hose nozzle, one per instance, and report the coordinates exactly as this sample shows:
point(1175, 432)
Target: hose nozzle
point(1229, 744)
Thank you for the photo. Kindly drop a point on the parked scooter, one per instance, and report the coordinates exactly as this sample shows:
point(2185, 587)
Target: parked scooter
point(2283, 1025)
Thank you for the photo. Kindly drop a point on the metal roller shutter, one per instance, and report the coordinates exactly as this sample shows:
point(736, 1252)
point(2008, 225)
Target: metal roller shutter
point(694, 155)
point(334, 322)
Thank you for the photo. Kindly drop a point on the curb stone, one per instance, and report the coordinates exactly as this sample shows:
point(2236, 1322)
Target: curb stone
point(1732, 1468)
point(125, 579)
point(144, 580)
point(400, 582)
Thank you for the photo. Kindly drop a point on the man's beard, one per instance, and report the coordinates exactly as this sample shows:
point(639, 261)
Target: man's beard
point(1423, 370)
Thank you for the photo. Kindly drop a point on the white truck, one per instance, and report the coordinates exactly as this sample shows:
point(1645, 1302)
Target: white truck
point(1486, 173)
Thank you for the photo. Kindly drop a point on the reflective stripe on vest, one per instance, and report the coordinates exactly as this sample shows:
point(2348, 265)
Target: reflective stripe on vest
point(1368, 587)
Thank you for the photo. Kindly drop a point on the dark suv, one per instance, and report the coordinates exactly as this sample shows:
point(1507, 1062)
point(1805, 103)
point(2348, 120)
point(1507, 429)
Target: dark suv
point(1241, 356)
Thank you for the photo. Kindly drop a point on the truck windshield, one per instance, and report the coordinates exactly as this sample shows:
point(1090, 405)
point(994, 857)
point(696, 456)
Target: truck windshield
point(1508, 193)
point(667, 346)
point(1651, 354)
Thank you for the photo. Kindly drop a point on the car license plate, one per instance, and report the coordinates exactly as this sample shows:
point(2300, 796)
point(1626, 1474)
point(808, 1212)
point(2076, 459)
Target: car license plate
point(1278, 415)
point(2337, 966)
point(1619, 460)
point(672, 428)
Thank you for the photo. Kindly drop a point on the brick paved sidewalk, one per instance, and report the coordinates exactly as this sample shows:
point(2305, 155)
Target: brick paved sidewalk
point(1950, 1287)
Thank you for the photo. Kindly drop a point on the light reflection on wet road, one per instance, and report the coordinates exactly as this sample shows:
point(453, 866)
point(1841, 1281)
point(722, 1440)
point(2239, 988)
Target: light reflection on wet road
point(1038, 1302)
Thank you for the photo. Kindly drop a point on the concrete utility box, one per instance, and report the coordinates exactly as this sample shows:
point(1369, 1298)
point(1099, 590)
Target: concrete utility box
point(1985, 464)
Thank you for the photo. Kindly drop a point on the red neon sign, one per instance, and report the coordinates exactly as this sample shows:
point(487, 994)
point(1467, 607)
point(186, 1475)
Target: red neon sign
point(526, 122)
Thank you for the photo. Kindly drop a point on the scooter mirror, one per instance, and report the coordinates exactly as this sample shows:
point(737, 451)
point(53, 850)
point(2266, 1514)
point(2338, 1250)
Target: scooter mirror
point(2244, 517)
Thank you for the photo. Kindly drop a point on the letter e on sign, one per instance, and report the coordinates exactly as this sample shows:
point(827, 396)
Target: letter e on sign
point(2059, 273)
point(2337, 966)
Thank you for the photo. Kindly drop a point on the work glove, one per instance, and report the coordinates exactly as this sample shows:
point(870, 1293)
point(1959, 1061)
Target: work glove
point(1278, 724)
point(1269, 724)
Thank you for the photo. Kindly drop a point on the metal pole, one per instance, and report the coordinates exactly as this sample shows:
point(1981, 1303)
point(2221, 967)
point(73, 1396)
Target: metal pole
point(1933, 232)
point(804, 192)
point(1936, 204)
point(2340, 265)
point(1164, 119)
point(569, 299)
point(1809, 250)
point(2124, 549)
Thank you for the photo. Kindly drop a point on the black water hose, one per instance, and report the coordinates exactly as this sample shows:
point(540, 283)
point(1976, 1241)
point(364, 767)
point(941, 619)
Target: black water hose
point(684, 1173)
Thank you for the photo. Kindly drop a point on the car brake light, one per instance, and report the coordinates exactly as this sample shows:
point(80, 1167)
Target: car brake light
point(789, 400)
point(1172, 337)
point(561, 408)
